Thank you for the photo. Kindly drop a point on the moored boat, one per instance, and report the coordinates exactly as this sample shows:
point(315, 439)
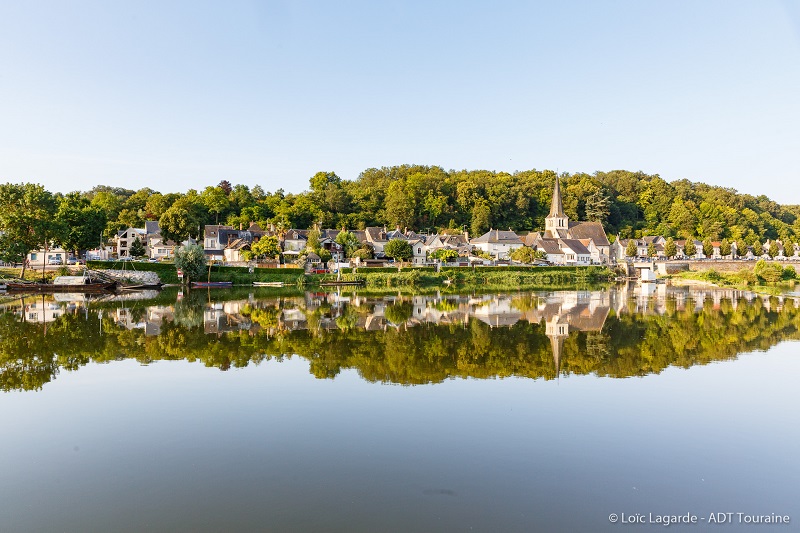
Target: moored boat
point(204, 284)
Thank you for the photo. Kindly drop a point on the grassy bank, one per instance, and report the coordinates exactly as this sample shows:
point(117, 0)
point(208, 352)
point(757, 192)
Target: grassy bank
point(498, 278)
point(489, 278)
point(763, 277)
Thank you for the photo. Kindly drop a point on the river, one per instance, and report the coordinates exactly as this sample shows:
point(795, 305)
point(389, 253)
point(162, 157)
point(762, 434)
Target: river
point(263, 410)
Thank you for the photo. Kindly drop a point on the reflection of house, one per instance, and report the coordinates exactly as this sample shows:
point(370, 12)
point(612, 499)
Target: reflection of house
point(41, 311)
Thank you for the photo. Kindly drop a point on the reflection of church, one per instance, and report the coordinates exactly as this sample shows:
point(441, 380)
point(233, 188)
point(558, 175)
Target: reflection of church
point(580, 311)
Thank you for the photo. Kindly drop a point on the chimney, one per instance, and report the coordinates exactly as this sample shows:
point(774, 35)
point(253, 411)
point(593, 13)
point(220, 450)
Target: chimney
point(466, 235)
point(241, 226)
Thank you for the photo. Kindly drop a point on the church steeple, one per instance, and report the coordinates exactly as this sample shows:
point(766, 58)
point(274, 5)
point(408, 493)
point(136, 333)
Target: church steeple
point(556, 209)
point(556, 224)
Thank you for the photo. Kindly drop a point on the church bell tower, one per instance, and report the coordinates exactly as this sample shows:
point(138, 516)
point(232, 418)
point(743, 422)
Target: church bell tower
point(556, 224)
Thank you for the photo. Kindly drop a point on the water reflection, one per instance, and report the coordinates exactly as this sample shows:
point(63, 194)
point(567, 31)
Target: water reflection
point(625, 331)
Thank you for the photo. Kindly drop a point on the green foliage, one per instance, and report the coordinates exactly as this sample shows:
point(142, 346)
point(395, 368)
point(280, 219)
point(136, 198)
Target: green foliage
point(313, 242)
point(83, 222)
point(631, 249)
point(444, 255)
point(725, 248)
point(789, 273)
point(670, 249)
point(192, 261)
point(324, 255)
point(708, 248)
point(137, 248)
point(690, 248)
point(398, 313)
point(773, 250)
point(398, 249)
point(27, 220)
point(421, 197)
point(524, 255)
point(266, 247)
point(363, 253)
point(349, 242)
point(651, 250)
point(769, 272)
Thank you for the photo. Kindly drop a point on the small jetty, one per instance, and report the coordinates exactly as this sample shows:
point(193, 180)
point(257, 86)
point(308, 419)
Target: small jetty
point(268, 284)
point(340, 283)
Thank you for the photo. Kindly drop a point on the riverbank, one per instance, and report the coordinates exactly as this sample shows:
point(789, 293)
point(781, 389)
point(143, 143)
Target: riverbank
point(483, 278)
point(764, 277)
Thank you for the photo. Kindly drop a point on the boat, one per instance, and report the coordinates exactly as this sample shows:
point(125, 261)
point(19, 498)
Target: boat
point(267, 284)
point(204, 284)
point(340, 283)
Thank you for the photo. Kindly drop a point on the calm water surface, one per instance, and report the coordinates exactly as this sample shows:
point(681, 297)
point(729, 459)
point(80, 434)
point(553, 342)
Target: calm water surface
point(245, 411)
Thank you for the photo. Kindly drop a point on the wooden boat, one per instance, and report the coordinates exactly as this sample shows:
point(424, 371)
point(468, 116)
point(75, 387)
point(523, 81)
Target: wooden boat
point(267, 284)
point(91, 286)
point(210, 284)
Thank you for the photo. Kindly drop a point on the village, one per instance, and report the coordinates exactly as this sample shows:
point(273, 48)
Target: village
point(563, 242)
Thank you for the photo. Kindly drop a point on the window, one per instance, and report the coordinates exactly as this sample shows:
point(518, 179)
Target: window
point(33, 257)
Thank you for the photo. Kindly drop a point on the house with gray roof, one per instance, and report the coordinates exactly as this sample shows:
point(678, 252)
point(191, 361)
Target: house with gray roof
point(498, 243)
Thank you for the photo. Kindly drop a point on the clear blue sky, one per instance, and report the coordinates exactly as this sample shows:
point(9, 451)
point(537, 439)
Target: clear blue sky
point(178, 95)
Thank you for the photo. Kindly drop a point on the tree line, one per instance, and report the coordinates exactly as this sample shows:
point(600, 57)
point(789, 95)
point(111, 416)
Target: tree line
point(418, 197)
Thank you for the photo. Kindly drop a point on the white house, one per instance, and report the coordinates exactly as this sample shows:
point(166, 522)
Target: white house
point(53, 255)
point(497, 243)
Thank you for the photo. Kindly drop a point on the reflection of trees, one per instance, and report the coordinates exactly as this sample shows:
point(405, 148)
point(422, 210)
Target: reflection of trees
point(629, 344)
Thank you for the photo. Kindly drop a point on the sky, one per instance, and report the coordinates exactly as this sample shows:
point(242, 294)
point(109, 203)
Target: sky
point(175, 95)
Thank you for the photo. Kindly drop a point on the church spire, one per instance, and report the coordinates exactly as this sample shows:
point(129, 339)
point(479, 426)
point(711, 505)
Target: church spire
point(556, 209)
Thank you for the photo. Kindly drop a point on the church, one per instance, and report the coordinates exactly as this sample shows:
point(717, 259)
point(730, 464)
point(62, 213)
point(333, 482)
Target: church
point(569, 242)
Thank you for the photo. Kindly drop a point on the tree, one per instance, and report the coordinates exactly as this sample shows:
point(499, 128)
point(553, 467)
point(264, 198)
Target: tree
point(708, 248)
point(769, 272)
point(83, 223)
point(137, 248)
point(773, 249)
point(597, 207)
point(191, 259)
point(363, 253)
point(651, 250)
point(178, 223)
point(445, 255)
point(525, 254)
point(739, 250)
point(312, 242)
point(758, 249)
point(631, 249)
point(27, 220)
point(398, 249)
point(670, 250)
point(266, 247)
point(725, 248)
point(480, 218)
point(690, 248)
point(348, 241)
point(215, 199)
